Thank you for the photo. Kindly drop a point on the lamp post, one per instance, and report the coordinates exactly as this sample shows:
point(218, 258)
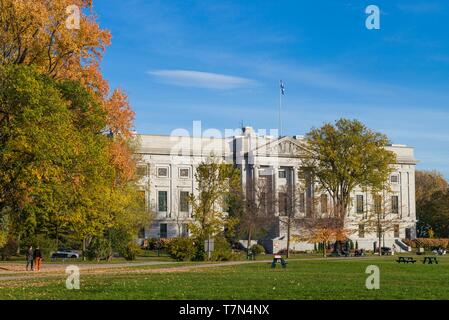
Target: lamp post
point(158, 244)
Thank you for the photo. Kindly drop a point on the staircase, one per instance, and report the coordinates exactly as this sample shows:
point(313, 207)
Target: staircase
point(402, 246)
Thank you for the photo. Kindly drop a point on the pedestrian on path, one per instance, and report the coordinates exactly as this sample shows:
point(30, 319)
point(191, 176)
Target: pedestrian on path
point(37, 258)
point(30, 258)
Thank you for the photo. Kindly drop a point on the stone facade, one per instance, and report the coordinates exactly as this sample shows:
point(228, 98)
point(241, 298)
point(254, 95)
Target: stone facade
point(168, 165)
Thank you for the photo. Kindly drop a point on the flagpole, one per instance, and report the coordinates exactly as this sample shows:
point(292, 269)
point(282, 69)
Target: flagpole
point(280, 109)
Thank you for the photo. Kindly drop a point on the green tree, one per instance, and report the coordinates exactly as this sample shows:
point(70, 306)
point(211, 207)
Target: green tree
point(58, 175)
point(36, 144)
point(344, 155)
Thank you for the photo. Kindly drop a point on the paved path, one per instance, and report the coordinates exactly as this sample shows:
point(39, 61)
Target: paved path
point(56, 270)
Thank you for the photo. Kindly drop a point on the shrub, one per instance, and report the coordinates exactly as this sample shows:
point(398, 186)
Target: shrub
point(181, 249)
point(222, 250)
point(257, 249)
point(431, 243)
point(130, 251)
point(98, 249)
point(9, 249)
point(199, 253)
point(155, 243)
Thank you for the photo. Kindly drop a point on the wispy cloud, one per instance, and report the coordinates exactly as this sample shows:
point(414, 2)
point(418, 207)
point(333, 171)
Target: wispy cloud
point(190, 78)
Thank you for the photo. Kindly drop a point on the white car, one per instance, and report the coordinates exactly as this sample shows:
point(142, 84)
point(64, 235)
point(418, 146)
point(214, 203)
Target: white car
point(65, 253)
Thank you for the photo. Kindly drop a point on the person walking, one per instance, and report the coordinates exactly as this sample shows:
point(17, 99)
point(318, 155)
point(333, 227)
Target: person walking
point(30, 258)
point(37, 258)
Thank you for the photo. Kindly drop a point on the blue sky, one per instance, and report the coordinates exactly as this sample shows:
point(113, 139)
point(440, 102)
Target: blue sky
point(220, 62)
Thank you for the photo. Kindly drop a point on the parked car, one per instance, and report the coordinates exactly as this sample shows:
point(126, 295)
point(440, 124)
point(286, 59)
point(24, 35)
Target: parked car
point(65, 253)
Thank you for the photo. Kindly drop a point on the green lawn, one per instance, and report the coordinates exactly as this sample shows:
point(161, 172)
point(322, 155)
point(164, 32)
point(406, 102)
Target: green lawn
point(303, 279)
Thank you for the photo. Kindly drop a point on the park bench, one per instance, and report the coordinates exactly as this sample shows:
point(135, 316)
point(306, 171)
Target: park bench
point(430, 260)
point(406, 260)
point(278, 259)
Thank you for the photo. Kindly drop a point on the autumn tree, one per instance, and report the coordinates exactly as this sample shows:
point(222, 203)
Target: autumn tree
point(59, 177)
point(35, 33)
point(66, 138)
point(434, 216)
point(381, 217)
point(255, 215)
point(430, 188)
point(216, 181)
point(344, 155)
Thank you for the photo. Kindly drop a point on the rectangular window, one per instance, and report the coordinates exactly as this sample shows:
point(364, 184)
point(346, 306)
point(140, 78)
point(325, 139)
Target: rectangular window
point(361, 231)
point(359, 204)
point(396, 231)
point(184, 201)
point(162, 201)
point(377, 204)
point(163, 230)
point(184, 173)
point(394, 204)
point(394, 178)
point(162, 172)
point(282, 174)
point(323, 200)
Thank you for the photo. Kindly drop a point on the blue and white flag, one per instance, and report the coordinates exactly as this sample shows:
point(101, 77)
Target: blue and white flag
point(282, 88)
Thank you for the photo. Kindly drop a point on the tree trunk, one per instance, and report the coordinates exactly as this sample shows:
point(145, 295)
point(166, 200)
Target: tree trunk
point(56, 234)
point(288, 237)
point(84, 248)
point(324, 249)
point(18, 245)
point(249, 243)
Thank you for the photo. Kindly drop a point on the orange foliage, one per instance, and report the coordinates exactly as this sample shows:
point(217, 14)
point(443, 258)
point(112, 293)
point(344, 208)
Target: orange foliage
point(34, 32)
point(121, 158)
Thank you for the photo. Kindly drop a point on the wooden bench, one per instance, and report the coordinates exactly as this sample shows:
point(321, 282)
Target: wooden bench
point(405, 260)
point(430, 260)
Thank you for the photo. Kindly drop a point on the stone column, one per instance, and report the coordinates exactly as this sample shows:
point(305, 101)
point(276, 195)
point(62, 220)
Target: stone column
point(275, 169)
point(255, 181)
point(295, 193)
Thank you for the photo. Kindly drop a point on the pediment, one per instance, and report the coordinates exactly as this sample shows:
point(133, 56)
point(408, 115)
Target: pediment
point(284, 147)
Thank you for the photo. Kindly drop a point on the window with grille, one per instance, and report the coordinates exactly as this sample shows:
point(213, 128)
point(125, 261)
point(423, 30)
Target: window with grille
point(184, 201)
point(359, 204)
point(394, 204)
point(162, 201)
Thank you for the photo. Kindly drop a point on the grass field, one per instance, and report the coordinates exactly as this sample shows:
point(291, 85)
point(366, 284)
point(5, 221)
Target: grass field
point(302, 279)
